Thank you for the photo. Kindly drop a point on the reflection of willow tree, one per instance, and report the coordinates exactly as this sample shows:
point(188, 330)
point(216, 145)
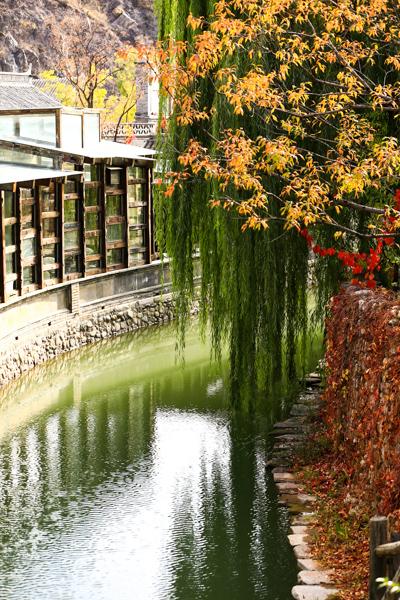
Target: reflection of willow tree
point(77, 449)
point(253, 283)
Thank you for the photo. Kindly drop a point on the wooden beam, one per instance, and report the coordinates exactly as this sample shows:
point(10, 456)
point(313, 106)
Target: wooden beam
point(39, 235)
point(3, 250)
point(82, 219)
point(390, 549)
point(59, 191)
point(102, 204)
point(150, 227)
point(126, 212)
point(18, 240)
point(58, 128)
point(378, 535)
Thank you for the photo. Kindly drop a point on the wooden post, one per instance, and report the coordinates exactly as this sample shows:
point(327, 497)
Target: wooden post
point(378, 535)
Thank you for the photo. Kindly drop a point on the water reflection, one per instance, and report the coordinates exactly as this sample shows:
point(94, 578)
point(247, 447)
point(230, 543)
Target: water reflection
point(126, 477)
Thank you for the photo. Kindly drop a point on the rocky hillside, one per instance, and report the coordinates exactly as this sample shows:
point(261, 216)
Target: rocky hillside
point(24, 27)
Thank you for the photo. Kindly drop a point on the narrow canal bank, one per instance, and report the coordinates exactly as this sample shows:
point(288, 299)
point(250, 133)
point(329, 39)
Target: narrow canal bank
point(136, 476)
point(291, 438)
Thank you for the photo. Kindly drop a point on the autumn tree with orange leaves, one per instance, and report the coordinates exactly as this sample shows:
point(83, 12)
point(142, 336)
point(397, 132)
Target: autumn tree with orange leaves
point(321, 81)
point(280, 142)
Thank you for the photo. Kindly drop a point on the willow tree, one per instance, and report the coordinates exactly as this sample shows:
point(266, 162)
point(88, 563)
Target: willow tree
point(283, 122)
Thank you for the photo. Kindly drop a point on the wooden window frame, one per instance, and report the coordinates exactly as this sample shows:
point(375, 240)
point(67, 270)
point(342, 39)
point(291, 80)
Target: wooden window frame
point(146, 226)
point(58, 239)
point(28, 234)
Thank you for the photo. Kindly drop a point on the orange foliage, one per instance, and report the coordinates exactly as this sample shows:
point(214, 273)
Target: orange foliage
point(311, 82)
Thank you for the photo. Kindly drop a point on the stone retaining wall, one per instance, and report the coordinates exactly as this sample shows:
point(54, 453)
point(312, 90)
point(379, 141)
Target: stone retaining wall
point(76, 330)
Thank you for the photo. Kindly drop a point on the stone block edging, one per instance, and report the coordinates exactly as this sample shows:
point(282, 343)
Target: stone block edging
point(72, 331)
point(314, 582)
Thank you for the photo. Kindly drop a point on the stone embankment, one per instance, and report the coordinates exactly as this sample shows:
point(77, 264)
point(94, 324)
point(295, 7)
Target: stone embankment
point(82, 329)
point(314, 583)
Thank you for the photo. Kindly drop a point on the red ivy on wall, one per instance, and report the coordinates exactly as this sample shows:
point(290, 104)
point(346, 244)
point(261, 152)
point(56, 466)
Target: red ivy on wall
point(362, 397)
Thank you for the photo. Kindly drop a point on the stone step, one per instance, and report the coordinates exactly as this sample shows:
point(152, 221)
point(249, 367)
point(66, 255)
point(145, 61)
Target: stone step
point(293, 422)
point(308, 564)
point(313, 578)
point(289, 487)
point(298, 539)
point(292, 431)
point(303, 520)
point(302, 551)
point(302, 410)
point(303, 499)
point(277, 463)
point(285, 444)
point(314, 592)
point(283, 477)
point(291, 437)
point(299, 529)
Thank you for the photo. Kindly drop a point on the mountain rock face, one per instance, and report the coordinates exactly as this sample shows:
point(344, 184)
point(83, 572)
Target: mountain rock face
point(24, 27)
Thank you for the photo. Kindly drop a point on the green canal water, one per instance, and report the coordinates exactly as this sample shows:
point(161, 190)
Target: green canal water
point(124, 476)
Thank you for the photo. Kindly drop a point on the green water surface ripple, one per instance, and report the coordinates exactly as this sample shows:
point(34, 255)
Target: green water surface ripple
point(125, 477)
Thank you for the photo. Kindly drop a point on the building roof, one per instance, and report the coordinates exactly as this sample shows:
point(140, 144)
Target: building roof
point(17, 92)
point(99, 150)
point(15, 173)
point(106, 149)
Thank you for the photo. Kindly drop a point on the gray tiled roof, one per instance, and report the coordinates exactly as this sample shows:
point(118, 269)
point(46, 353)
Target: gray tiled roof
point(17, 92)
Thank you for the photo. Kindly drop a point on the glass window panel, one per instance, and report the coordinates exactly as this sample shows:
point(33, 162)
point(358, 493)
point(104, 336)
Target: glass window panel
point(67, 166)
point(28, 247)
point(71, 187)
point(92, 196)
point(25, 193)
point(71, 211)
point(93, 245)
point(9, 204)
point(114, 177)
point(12, 288)
point(137, 215)
point(47, 199)
point(91, 128)
point(92, 221)
point(94, 264)
point(49, 228)
point(50, 254)
point(115, 232)
point(72, 264)
point(113, 206)
point(137, 192)
point(136, 172)
point(10, 235)
point(136, 257)
point(91, 172)
point(71, 240)
point(28, 210)
point(25, 158)
point(52, 274)
point(71, 130)
point(114, 256)
point(38, 128)
point(11, 266)
point(29, 275)
point(8, 126)
point(136, 237)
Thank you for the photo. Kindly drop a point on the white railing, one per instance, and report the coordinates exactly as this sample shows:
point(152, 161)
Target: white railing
point(126, 130)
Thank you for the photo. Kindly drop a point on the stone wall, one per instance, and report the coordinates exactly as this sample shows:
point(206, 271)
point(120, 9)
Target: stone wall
point(84, 328)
